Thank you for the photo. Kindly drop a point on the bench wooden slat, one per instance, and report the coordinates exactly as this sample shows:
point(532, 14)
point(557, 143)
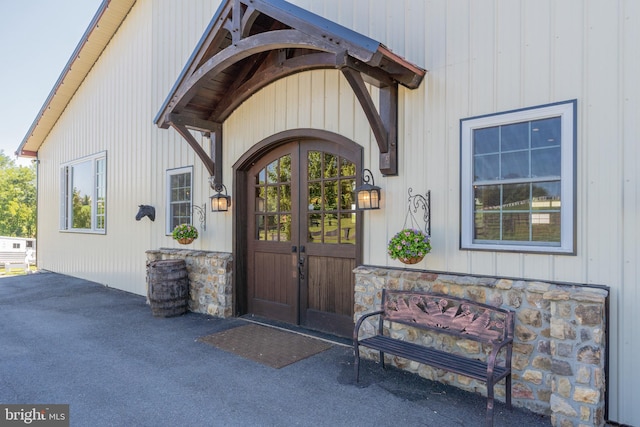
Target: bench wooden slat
point(472, 368)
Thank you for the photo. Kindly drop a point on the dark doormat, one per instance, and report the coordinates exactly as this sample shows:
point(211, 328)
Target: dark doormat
point(269, 346)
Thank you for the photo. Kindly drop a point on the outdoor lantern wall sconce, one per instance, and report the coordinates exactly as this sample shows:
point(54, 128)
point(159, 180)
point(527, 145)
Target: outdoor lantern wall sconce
point(202, 215)
point(367, 195)
point(220, 202)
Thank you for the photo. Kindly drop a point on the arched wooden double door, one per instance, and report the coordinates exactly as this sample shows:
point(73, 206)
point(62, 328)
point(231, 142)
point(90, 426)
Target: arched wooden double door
point(302, 235)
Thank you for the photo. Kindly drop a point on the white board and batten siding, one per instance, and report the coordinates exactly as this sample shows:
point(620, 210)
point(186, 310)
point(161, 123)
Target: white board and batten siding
point(488, 57)
point(482, 57)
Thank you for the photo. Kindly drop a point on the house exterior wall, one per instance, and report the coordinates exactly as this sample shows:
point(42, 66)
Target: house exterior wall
point(109, 113)
point(482, 57)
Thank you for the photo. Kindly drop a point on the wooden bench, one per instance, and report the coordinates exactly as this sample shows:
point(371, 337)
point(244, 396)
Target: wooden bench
point(443, 314)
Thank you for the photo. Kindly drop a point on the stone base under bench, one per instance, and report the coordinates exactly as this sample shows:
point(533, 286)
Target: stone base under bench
point(559, 348)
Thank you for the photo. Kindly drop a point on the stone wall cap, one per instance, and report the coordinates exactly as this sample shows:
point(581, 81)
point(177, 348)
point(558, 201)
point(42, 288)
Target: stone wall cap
point(591, 295)
point(556, 295)
point(361, 269)
point(538, 287)
point(411, 275)
point(504, 284)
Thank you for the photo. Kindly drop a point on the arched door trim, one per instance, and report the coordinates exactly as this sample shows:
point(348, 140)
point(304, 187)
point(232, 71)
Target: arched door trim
point(240, 169)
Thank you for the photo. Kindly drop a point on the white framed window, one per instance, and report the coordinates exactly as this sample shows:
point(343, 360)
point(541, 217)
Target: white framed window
point(83, 194)
point(517, 178)
point(179, 197)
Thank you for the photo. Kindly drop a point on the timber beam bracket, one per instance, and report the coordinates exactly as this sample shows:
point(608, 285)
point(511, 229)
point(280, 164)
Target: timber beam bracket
point(384, 123)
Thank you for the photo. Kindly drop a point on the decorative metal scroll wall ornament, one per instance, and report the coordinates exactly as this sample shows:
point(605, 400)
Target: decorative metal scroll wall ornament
point(202, 215)
point(417, 201)
point(367, 195)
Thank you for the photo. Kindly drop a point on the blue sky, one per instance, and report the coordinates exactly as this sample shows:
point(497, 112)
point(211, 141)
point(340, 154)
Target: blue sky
point(37, 38)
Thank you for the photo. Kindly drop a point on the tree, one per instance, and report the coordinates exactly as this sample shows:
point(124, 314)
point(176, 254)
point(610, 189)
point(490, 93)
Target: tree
point(17, 198)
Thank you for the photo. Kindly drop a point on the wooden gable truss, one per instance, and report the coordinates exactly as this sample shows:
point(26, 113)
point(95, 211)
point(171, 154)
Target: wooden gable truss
point(250, 44)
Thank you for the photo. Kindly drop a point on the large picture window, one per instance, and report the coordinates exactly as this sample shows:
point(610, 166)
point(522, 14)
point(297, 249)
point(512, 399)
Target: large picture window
point(179, 197)
point(518, 180)
point(83, 192)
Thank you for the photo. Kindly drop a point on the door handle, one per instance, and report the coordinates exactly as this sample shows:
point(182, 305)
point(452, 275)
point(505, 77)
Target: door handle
point(301, 267)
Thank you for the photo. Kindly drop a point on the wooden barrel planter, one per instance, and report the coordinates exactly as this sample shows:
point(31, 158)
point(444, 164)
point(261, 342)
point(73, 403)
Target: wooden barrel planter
point(168, 287)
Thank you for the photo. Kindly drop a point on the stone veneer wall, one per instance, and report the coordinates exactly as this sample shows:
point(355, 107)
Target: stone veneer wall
point(210, 279)
point(559, 347)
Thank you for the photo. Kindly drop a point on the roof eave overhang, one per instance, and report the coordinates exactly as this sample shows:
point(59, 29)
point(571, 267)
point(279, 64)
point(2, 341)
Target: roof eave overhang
point(95, 39)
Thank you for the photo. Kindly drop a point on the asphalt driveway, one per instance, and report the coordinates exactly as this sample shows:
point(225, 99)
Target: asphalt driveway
point(65, 340)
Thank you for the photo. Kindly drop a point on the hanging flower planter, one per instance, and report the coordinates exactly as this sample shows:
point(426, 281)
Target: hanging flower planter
point(409, 246)
point(412, 260)
point(185, 234)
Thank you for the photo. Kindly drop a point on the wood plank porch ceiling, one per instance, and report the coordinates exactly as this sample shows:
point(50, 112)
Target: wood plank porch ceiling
point(250, 44)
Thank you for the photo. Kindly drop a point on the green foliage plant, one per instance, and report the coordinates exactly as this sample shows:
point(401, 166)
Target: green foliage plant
point(409, 243)
point(185, 231)
point(17, 198)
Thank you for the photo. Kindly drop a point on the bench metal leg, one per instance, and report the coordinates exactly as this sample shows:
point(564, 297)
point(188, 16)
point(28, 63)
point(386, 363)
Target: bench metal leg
point(489, 419)
point(356, 361)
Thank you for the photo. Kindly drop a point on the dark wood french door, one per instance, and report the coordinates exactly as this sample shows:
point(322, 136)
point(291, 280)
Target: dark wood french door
point(302, 235)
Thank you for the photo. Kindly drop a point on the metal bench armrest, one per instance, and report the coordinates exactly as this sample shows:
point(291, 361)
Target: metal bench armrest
point(356, 329)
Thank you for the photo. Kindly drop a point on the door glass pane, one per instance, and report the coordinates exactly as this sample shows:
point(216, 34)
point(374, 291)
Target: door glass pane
point(272, 199)
point(346, 194)
point(330, 165)
point(331, 230)
point(285, 228)
point(261, 178)
point(273, 195)
point(348, 228)
point(331, 195)
point(315, 196)
point(260, 199)
point(285, 168)
point(314, 225)
point(272, 172)
point(314, 165)
point(330, 205)
point(347, 168)
point(272, 227)
point(285, 198)
point(260, 228)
